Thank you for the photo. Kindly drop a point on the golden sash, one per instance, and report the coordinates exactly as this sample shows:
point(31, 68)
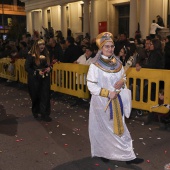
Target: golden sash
point(117, 118)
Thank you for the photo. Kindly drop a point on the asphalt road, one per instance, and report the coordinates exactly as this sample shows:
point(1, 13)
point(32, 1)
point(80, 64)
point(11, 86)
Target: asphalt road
point(63, 144)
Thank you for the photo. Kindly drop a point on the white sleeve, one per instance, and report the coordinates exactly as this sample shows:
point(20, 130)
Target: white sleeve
point(92, 80)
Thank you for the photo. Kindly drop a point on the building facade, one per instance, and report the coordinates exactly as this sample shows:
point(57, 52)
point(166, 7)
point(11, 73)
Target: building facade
point(10, 10)
point(94, 16)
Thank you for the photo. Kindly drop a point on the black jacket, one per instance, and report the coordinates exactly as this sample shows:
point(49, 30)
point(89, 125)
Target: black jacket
point(72, 53)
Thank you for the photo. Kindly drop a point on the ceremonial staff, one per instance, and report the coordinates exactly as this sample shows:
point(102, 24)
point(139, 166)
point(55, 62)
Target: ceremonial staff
point(126, 67)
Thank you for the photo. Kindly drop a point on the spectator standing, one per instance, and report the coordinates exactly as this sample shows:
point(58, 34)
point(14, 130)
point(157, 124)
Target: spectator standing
point(23, 50)
point(124, 55)
point(72, 52)
point(86, 58)
point(167, 53)
point(120, 43)
point(160, 21)
point(55, 50)
point(153, 28)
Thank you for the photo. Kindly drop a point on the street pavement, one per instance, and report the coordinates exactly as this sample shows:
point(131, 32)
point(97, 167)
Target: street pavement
point(63, 144)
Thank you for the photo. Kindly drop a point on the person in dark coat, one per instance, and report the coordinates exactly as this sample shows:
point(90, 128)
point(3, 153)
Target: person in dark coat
point(155, 61)
point(167, 53)
point(72, 52)
point(160, 21)
point(55, 50)
point(122, 42)
point(38, 68)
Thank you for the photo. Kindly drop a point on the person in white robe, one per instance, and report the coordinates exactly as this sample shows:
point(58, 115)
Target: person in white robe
point(109, 136)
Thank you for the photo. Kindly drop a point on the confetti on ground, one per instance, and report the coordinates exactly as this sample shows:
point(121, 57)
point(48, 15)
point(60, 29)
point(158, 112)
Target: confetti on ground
point(165, 151)
point(148, 161)
point(65, 144)
point(141, 138)
point(63, 134)
point(158, 138)
point(96, 164)
point(167, 166)
point(144, 143)
point(45, 153)
point(19, 140)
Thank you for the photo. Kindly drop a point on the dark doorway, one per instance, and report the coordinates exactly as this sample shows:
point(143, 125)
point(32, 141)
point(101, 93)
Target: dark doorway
point(124, 11)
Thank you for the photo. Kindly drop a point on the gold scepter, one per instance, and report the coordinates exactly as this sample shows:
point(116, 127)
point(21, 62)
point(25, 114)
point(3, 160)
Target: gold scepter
point(126, 67)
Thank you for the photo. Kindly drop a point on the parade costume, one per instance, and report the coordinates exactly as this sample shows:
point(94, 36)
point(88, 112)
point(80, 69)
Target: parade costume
point(38, 85)
point(106, 142)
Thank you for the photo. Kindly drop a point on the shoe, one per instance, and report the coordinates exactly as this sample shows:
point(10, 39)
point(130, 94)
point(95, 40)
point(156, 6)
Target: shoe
point(46, 118)
point(105, 160)
point(135, 161)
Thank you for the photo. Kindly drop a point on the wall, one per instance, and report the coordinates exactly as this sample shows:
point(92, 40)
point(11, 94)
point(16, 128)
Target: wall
point(56, 17)
point(75, 20)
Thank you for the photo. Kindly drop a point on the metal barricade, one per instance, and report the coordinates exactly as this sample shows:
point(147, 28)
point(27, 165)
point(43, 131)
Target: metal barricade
point(22, 73)
point(8, 70)
point(70, 79)
point(145, 85)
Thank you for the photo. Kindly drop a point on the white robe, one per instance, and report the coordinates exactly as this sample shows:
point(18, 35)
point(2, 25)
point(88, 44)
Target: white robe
point(104, 143)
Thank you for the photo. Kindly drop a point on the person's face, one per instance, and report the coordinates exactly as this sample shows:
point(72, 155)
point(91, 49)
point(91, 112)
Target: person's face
point(122, 52)
point(84, 49)
point(88, 53)
point(67, 43)
point(147, 44)
point(108, 49)
point(161, 96)
point(52, 42)
point(122, 37)
point(41, 47)
point(151, 46)
point(136, 42)
point(166, 40)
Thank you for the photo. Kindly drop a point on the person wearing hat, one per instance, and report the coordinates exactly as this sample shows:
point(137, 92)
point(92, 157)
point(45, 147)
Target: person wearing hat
point(38, 67)
point(109, 136)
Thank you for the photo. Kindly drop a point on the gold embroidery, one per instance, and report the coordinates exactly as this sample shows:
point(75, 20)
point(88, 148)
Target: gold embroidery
point(108, 71)
point(117, 119)
point(104, 92)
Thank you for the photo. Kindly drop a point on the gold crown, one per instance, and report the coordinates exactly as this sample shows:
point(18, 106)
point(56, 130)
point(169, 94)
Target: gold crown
point(102, 38)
